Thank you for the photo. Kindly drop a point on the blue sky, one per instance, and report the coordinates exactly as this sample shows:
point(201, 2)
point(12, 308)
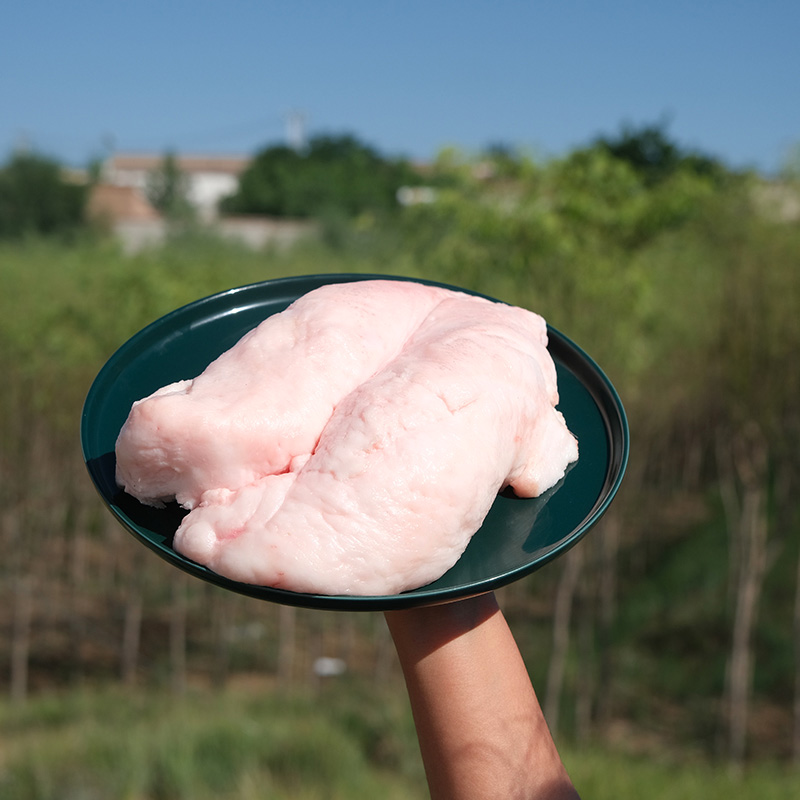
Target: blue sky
point(78, 79)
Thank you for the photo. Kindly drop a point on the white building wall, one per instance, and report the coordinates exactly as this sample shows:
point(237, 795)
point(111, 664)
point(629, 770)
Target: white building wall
point(206, 189)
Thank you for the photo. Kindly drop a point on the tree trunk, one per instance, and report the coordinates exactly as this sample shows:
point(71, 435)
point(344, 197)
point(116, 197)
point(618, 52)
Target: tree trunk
point(561, 624)
point(131, 634)
point(287, 642)
point(796, 733)
point(21, 638)
point(74, 601)
point(743, 477)
point(751, 576)
point(609, 551)
point(585, 690)
point(177, 635)
point(348, 637)
point(221, 623)
point(385, 654)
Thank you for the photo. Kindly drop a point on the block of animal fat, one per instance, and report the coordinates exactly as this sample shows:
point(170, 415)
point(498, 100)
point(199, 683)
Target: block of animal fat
point(354, 443)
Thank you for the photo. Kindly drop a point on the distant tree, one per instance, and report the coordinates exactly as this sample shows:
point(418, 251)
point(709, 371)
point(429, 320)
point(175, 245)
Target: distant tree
point(333, 174)
point(504, 158)
point(654, 156)
point(790, 168)
point(167, 189)
point(36, 198)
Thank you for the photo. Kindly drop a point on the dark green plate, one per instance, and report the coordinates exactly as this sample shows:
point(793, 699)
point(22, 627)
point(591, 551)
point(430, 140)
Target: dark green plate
point(517, 537)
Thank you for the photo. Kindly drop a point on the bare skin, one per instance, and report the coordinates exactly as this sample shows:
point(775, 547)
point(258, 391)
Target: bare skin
point(481, 730)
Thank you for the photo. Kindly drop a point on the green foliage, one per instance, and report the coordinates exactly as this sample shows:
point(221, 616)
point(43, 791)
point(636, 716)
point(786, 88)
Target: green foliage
point(682, 289)
point(36, 199)
point(335, 173)
point(167, 188)
point(566, 238)
point(654, 156)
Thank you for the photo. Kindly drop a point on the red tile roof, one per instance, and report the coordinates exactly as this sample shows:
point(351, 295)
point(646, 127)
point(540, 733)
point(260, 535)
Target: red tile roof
point(113, 203)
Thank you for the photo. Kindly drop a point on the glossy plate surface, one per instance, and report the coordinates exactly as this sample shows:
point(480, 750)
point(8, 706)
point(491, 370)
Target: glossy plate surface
point(517, 537)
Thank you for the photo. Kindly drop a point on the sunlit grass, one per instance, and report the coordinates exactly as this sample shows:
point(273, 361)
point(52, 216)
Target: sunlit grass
point(344, 742)
point(112, 744)
point(608, 775)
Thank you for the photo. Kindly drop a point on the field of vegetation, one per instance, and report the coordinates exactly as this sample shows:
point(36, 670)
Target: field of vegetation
point(251, 742)
point(665, 648)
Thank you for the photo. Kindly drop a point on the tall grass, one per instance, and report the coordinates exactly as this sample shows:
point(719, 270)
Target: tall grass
point(341, 744)
point(234, 744)
point(611, 775)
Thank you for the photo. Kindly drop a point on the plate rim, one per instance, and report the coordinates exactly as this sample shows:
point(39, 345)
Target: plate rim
point(592, 378)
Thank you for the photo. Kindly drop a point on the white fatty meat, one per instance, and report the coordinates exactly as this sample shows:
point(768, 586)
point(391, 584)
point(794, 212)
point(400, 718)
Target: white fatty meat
point(353, 444)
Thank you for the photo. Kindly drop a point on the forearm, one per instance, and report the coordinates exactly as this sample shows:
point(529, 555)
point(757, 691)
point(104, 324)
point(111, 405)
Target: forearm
point(481, 731)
